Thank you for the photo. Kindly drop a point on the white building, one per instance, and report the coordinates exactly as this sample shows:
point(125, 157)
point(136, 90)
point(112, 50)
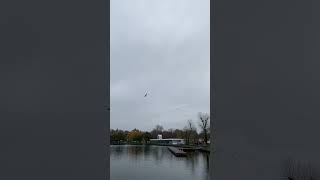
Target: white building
point(174, 141)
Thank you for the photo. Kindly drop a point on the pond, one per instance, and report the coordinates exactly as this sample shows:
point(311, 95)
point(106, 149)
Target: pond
point(137, 162)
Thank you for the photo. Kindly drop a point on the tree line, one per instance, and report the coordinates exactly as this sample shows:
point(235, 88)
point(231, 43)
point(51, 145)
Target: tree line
point(189, 133)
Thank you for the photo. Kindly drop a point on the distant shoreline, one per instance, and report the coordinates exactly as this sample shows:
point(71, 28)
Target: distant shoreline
point(199, 148)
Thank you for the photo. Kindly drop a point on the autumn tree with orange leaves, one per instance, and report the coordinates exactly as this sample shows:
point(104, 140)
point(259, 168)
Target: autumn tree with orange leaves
point(135, 135)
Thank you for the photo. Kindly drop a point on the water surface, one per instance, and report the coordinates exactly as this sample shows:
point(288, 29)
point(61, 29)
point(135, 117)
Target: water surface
point(138, 162)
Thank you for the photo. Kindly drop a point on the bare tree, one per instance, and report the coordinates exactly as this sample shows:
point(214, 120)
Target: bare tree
point(170, 133)
point(190, 125)
point(188, 131)
point(204, 125)
point(157, 130)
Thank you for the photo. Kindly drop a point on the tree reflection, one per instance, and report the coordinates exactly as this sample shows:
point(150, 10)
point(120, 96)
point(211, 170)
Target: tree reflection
point(147, 152)
point(116, 151)
point(158, 154)
point(134, 151)
point(206, 156)
point(206, 160)
point(192, 161)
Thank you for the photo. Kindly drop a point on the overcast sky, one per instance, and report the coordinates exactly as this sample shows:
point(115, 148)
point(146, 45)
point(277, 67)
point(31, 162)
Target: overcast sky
point(161, 47)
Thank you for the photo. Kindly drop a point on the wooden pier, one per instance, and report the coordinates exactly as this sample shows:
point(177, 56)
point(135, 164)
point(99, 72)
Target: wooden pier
point(187, 149)
point(177, 152)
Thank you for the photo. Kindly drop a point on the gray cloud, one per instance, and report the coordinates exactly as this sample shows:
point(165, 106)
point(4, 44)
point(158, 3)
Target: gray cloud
point(163, 48)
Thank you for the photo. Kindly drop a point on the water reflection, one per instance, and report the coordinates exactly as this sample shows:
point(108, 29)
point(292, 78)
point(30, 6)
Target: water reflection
point(134, 152)
point(158, 154)
point(116, 152)
point(154, 162)
point(192, 161)
point(206, 157)
point(207, 161)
